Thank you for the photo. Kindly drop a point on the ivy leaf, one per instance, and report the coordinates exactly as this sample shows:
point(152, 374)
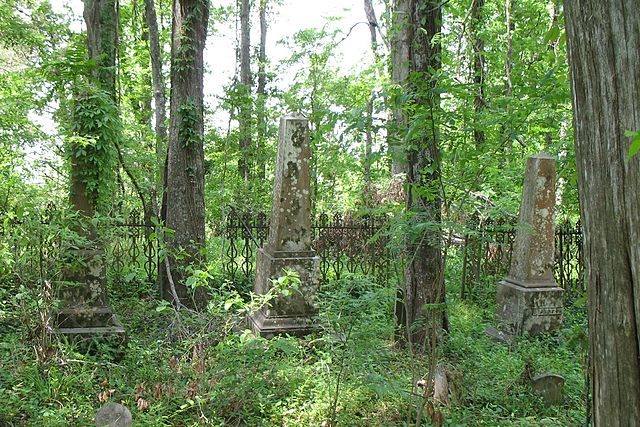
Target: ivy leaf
point(552, 34)
point(634, 148)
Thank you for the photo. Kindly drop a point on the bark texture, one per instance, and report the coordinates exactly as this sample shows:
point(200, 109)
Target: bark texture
point(101, 19)
point(368, 142)
point(261, 92)
point(185, 166)
point(604, 54)
point(245, 160)
point(478, 66)
point(421, 312)
point(159, 98)
point(400, 51)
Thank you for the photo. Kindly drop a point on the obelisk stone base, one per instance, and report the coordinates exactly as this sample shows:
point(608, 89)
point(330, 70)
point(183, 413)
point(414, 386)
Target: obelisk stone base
point(286, 315)
point(526, 310)
point(85, 313)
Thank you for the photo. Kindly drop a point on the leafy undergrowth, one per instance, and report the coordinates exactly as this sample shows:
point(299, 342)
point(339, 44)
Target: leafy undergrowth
point(211, 378)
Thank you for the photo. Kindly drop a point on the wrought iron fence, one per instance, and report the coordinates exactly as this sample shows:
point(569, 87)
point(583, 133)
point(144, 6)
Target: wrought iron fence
point(36, 243)
point(488, 248)
point(342, 242)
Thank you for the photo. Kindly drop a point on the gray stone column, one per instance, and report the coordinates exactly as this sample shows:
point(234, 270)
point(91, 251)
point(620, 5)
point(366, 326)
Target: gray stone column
point(529, 300)
point(289, 243)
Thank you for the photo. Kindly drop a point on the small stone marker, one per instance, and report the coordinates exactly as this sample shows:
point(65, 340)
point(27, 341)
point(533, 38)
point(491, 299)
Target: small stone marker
point(289, 243)
point(113, 415)
point(529, 300)
point(549, 386)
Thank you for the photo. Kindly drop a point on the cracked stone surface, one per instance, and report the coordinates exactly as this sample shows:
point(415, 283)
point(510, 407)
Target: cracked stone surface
point(528, 300)
point(290, 235)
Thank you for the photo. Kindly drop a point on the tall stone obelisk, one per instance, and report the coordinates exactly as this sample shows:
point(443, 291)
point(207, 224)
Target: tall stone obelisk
point(529, 300)
point(289, 244)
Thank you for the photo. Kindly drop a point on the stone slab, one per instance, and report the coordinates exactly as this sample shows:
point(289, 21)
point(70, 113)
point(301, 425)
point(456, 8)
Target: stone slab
point(113, 415)
point(293, 314)
point(498, 335)
point(528, 311)
point(272, 326)
point(549, 386)
point(100, 323)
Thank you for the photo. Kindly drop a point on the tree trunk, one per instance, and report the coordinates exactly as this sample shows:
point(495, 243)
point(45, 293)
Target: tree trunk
point(159, 99)
point(508, 89)
point(604, 45)
point(262, 93)
point(244, 162)
point(368, 142)
point(478, 68)
point(101, 19)
point(185, 166)
point(400, 51)
point(421, 310)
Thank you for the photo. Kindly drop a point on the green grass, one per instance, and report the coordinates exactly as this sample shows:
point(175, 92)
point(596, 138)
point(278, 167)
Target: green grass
point(238, 379)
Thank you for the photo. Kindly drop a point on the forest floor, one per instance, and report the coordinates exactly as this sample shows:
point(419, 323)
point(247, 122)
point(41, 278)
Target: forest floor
point(213, 377)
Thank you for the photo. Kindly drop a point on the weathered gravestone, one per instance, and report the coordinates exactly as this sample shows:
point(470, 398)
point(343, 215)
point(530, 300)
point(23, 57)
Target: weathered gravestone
point(85, 312)
point(529, 300)
point(289, 244)
point(549, 387)
point(113, 415)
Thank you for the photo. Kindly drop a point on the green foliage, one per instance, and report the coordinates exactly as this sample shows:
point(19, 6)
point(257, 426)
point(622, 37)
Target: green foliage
point(634, 148)
point(90, 147)
point(189, 130)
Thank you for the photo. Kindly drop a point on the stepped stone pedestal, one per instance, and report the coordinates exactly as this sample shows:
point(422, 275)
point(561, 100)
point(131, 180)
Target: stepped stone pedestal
point(289, 243)
point(85, 312)
point(529, 301)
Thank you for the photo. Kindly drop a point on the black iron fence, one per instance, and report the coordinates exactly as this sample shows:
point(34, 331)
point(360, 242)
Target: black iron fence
point(488, 248)
point(344, 244)
point(33, 247)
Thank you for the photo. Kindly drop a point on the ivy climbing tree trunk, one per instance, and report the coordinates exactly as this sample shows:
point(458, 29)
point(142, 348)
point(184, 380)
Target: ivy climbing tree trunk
point(244, 161)
point(421, 308)
point(604, 44)
point(185, 166)
point(91, 171)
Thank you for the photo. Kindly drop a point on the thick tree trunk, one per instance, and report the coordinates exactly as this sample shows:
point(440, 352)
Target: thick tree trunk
point(400, 51)
point(261, 93)
point(101, 19)
point(159, 99)
point(604, 55)
point(245, 159)
point(185, 166)
point(421, 310)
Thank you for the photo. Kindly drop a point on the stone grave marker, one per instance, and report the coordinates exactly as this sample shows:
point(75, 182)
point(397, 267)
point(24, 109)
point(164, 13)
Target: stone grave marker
point(85, 311)
point(289, 244)
point(113, 415)
point(549, 386)
point(529, 301)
